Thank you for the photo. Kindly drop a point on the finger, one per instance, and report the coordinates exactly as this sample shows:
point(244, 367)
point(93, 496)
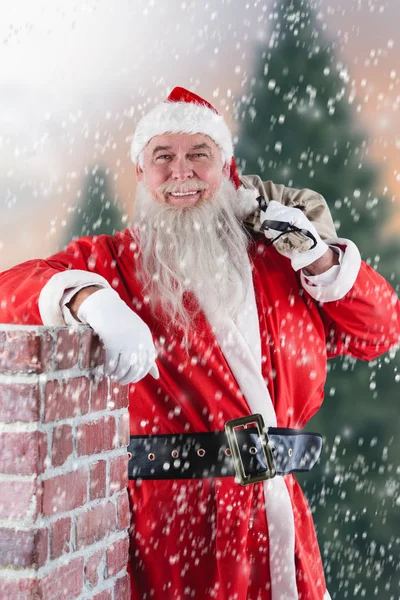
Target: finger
point(133, 375)
point(125, 365)
point(146, 365)
point(268, 232)
point(111, 363)
point(129, 377)
point(154, 372)
point(281, 212)
point(275, 207)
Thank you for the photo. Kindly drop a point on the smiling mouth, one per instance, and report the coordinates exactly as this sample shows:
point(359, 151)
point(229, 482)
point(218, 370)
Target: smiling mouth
point(183, 194)
point(184, 198)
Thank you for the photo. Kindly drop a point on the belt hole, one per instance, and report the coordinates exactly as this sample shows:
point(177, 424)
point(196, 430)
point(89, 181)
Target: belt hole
point(253, 450)
point(174, 453)
point(151, 456)
point(228, 451)
point(290, 452)
point(201, 452)
point(129, 455)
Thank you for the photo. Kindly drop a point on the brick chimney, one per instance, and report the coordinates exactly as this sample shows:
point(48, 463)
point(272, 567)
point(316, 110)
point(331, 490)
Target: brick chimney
point(64, 428)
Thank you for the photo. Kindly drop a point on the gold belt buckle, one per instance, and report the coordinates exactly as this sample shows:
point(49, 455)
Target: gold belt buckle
point(241, 476)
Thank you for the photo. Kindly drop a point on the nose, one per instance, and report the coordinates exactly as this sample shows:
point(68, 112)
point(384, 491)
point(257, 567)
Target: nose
point(181, 169)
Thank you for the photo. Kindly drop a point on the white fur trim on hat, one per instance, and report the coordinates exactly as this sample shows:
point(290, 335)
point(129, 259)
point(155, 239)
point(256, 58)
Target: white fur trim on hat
point(181, 117)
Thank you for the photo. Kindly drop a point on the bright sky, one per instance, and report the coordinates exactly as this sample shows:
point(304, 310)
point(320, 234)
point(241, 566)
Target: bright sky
point(75, 77)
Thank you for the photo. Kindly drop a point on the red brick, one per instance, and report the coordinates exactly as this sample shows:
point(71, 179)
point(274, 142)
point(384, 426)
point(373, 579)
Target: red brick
point(92, 350)
point(92, 568)
point(118, 473)
point(42, 452)
point(97, 353)
point(67, 348)
point(15, 548)
point(25, 351)
point(60, 537)
point(84, 348)
point(99, 394)
point(64, 582)
point(66, 398)
point(122, 588)
point(24, 588)
point(22, 549)
point(123, 510)
point(41, 547)
point(65, 492)
point(22, 453)
point(62, 447)
point(124, 430)
point(104, 595)
point(117, 556)
point(95, 524)
point(97, 480)
point(16, 498)
point(19, 402)
point(96, 436)
point(119, 396)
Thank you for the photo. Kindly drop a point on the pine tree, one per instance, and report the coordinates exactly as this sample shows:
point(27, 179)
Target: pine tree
point(297, 126)
point(98, 211)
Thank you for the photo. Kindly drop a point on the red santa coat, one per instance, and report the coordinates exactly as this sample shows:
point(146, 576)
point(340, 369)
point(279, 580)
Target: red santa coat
point(209, 538)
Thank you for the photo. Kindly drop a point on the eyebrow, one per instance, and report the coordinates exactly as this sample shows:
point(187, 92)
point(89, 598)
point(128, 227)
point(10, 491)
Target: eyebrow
point(158, 148)
point(202, 146)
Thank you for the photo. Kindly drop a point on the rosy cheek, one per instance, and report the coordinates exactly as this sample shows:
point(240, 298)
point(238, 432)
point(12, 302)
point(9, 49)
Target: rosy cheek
point(155, 179)
point(206, 175)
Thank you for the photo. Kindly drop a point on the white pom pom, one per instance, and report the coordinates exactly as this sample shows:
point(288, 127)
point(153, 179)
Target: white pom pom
point(246, 202)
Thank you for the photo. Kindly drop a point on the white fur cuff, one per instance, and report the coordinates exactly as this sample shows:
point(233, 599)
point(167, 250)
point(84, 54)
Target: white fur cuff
point(349, 268)
point(52, 293)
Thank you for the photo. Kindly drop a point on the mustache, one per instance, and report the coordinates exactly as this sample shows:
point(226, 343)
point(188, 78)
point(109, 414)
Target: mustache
point(186, 186)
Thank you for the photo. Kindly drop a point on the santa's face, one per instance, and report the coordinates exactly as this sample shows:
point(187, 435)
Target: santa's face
point(182, 170)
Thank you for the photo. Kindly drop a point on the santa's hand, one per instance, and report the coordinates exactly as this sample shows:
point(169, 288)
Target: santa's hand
point(298, 238)
point(130, 351)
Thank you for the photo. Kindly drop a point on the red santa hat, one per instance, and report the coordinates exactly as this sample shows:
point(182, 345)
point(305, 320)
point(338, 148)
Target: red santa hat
point(185, 112)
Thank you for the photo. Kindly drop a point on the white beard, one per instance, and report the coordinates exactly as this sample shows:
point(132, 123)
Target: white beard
point(201, 248)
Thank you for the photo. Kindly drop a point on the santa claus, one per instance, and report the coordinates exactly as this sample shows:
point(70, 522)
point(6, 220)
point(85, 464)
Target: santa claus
point(220, 306)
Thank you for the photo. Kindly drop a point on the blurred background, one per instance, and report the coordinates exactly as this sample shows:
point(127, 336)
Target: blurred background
point(311, 90)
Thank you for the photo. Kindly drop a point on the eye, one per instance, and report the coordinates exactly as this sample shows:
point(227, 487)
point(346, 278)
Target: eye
point(163, 157)
point(200, 154)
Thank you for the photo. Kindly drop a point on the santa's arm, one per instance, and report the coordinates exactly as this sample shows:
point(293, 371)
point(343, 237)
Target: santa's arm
point(40, 291)
point(360, 310)
point(31, 293)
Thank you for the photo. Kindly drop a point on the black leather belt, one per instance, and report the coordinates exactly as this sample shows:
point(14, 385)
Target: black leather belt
point(255, 453)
